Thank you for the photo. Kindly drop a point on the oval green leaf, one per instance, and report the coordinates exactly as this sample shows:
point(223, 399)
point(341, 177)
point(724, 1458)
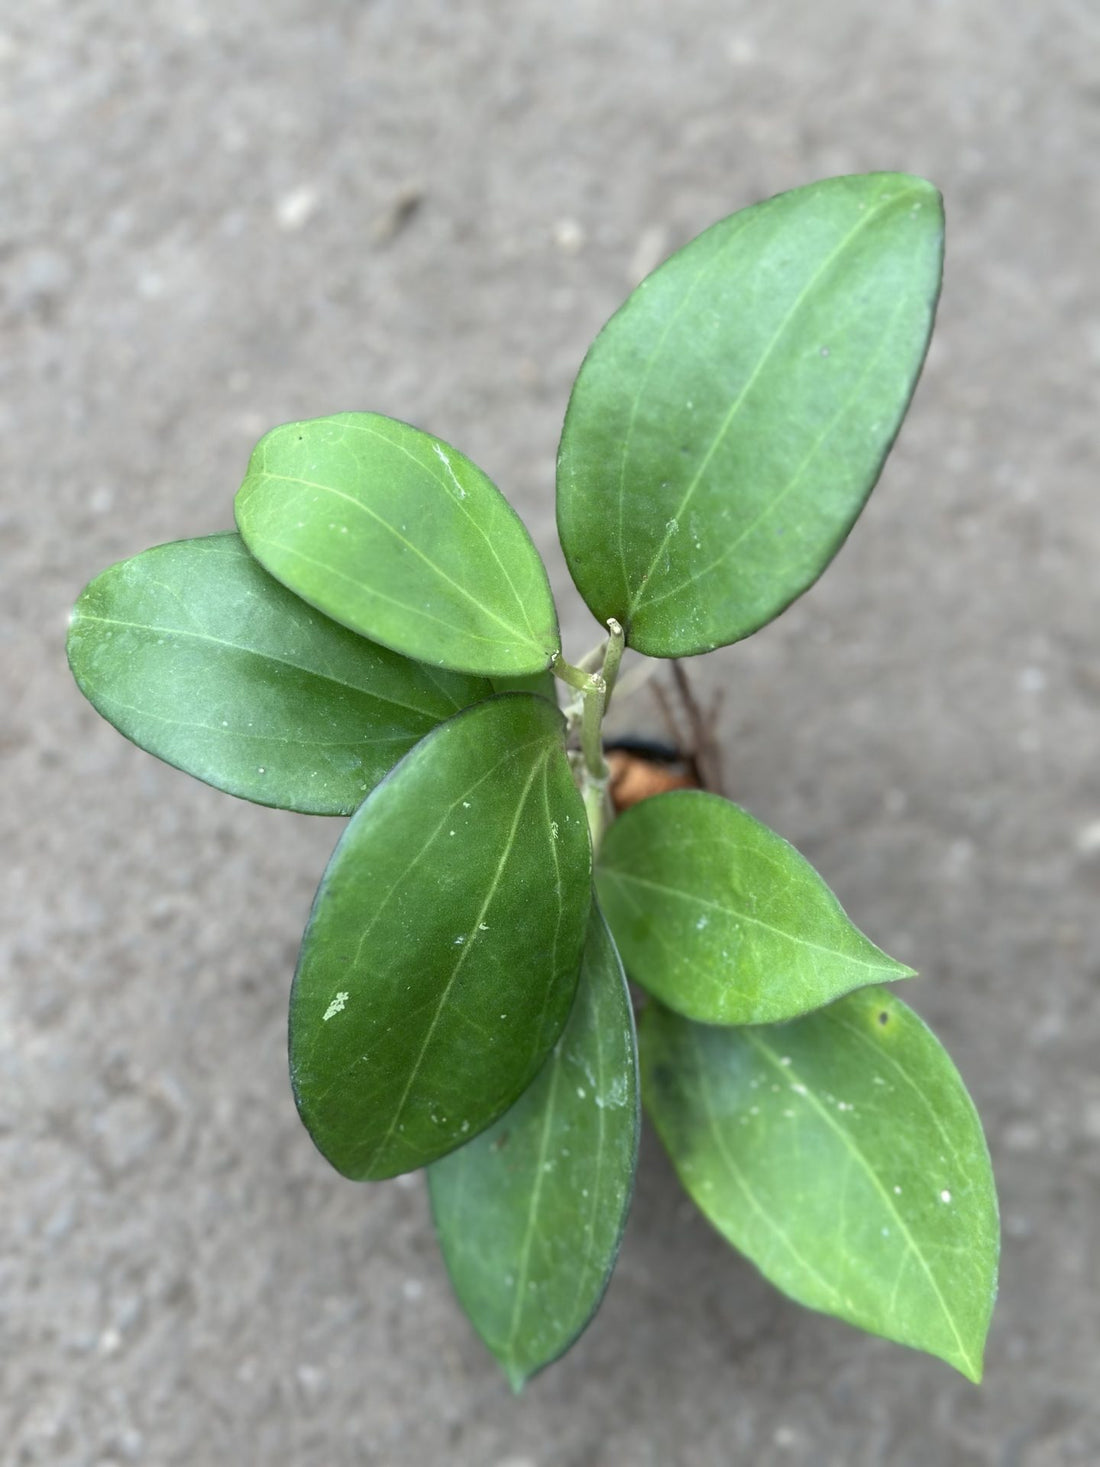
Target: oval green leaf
point(843, 1156)
point(442, 953)
point(731, 419)
point(401, 538)
point(722, 920)
point(198, 656)
point(530, 1215)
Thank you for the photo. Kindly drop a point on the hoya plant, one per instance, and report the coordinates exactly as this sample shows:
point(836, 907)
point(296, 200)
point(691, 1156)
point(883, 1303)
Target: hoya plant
point(378, 640)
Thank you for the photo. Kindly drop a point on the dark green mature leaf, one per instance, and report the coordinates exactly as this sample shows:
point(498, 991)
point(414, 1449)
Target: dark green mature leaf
point(197, 655)
point(722, 920)
point(842, 1155)
point(530, 1215)
point(442, 954)
point(731, 419)
point(403, 539)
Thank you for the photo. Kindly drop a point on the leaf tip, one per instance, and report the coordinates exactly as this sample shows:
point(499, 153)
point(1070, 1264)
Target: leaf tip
point(515, 1374)
point(971, 1367)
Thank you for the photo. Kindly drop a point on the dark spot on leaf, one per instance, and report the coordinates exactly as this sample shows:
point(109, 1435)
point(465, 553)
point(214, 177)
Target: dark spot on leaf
point(884, 1017)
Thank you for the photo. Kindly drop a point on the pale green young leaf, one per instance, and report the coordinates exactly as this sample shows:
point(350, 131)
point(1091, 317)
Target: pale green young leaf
point(731, 419)
point(442, 953)
point(842, 1154)
point(722, 919)
point(400, 537)
point(530, 1215)
point(197, 655)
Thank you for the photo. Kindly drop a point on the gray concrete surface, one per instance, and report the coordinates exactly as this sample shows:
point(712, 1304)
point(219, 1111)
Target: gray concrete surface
point(207, 228)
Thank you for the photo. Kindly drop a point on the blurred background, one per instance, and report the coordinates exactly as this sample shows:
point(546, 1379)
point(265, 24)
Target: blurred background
point(215, 217)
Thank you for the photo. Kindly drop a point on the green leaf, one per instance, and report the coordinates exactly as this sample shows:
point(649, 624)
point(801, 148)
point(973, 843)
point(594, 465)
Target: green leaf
point(441, 957)
point(530, 1215)
point(403, 539)
point(843, 1156)
point(722, 920)
point(731, 419)
point(543, 683)
point(195, 654)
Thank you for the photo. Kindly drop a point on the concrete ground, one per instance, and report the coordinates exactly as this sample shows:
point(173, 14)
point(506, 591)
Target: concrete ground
point(218, 216)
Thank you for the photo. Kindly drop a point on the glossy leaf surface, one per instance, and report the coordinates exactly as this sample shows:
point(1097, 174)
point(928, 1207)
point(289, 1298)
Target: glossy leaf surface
point(197, 655)
point(722, 919)
point(530, 1215)
point(400, 537)
point(442, 953)
point(730, 420)
point(842, 1155)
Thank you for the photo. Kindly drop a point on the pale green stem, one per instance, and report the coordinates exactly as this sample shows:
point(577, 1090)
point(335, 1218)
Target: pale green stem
point(595, 690)
point(613, 655)
point(597, 806)
point(595, 704)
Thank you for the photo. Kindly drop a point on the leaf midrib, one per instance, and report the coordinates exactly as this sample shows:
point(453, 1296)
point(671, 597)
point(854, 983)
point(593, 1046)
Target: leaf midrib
point(524, 1265)
point(758, 1207)
point(440, 448)
point(739, 400)
point(515, 633)
point(465, 633)
point(242, 648)
point(466, 949)
point(399, 881)
point(774, 503)
point(792, 1076)
point(745, 222)
point(733, 914)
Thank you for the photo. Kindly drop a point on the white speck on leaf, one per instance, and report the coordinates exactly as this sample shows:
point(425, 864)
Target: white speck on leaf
point(337, 1006)
point(945, 1195)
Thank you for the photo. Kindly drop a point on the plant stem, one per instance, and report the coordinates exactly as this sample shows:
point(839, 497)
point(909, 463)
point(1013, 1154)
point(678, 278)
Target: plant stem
point(595, 705)
point(595, 690)
point(613, 655)
point(597, 806)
